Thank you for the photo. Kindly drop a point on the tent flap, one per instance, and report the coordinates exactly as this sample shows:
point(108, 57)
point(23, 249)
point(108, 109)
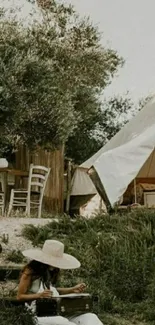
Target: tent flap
point(99, 185)
point(130, 153)
point(118, 167)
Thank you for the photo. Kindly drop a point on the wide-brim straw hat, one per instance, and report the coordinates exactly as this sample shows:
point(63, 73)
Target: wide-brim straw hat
point(53, 254)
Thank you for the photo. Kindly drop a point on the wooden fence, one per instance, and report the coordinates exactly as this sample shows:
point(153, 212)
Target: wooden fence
point(54, 192)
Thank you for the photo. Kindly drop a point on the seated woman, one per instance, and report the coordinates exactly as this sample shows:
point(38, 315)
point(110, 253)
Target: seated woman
point(39, 277)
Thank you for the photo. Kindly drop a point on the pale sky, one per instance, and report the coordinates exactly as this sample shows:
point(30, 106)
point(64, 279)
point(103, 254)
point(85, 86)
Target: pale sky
point(128, 26)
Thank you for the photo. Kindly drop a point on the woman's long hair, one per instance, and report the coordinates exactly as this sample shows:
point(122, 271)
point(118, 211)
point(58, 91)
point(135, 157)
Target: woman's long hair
point(42, 271)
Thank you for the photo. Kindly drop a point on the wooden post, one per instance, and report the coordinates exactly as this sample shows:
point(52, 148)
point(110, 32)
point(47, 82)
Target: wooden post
point(69, 167)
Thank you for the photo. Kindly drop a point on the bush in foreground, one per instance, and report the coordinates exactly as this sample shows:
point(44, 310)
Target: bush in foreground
point(16, 315)
point(15, 256)
point(117, 254)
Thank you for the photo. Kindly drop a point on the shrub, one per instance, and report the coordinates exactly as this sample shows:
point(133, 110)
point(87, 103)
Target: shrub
point(15, 256)
point(16, 315)
point(116, 253)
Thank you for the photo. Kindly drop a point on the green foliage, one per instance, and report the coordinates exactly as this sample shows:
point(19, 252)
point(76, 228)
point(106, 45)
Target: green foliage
point(43, 69)
point(102, 123)
point(6, 148)
point(15, 315)
point(104, 120)
point(15, 256)
point(117, 257)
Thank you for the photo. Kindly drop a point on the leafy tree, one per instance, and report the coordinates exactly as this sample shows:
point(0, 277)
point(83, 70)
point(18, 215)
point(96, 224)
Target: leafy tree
point(52, 73)
point(104, 121)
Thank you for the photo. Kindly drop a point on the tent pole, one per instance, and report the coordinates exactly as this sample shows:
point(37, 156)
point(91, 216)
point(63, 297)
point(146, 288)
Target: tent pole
point(135, 191)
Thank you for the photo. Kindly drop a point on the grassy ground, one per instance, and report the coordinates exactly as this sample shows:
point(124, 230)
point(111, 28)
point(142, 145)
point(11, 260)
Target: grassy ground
point(118, 320)
point(118, 262)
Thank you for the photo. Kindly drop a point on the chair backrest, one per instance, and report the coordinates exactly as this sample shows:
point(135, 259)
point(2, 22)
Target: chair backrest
point(38, 176)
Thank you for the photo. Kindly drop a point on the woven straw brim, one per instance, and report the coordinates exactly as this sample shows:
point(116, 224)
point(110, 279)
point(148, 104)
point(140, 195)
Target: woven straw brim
point(65, 262)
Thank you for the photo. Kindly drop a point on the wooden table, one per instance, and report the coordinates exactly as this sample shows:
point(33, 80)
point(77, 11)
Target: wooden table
point(4, 172)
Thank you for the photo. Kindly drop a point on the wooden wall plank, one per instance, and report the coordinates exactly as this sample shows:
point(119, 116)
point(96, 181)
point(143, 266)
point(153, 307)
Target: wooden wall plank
point(54, 192)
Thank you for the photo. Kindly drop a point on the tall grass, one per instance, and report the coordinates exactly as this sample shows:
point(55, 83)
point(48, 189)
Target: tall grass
point(117, 254)
point(16, 315)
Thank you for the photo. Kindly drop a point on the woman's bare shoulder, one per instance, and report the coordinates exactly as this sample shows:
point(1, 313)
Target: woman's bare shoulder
point(27, 272)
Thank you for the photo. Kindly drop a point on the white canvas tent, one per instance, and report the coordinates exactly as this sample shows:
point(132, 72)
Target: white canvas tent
point(129, 154)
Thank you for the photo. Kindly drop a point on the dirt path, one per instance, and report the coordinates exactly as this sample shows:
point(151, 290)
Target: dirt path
point(12, 227)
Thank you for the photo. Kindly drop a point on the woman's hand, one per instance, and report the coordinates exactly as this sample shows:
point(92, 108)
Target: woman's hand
point(79, 288)
point(46, 294)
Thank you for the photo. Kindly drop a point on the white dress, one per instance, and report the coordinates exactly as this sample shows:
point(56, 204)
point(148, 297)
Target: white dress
point(85, 319)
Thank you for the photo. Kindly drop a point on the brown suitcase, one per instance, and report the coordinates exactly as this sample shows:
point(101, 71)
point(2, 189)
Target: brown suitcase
point(67, 306)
